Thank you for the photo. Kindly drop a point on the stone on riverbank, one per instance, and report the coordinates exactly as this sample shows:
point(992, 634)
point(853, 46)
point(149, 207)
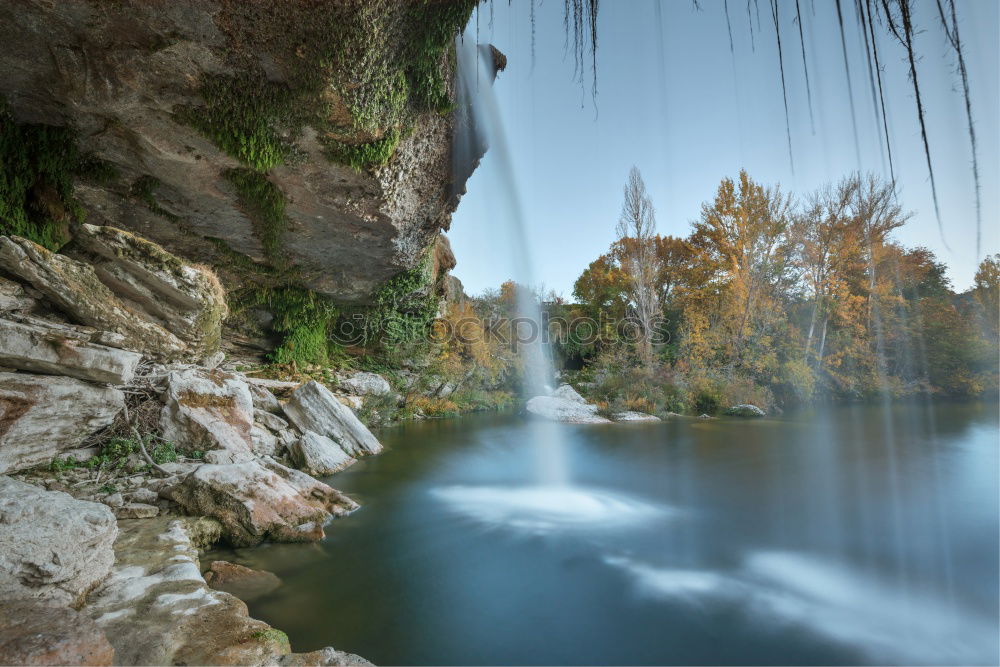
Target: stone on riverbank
point(313, 407)
point(746, 411)
point(43, 415)
point(55, 548)
point(319, 455)
point(211, 411)
point(565, 405)
point(257, 501)
point(35, 633)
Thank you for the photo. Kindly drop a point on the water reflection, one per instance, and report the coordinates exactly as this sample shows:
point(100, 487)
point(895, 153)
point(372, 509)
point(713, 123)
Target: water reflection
point(683, 542)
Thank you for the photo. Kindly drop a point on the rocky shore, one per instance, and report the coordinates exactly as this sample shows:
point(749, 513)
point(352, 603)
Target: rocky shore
point(128, 444)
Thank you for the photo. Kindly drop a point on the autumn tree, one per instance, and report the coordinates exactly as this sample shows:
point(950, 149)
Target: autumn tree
point(638, 260)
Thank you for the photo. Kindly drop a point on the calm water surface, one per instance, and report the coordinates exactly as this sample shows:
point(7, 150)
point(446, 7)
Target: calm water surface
point(853, 535)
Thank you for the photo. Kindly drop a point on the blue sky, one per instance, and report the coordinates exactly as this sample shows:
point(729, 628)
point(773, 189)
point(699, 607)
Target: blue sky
point(672, 101)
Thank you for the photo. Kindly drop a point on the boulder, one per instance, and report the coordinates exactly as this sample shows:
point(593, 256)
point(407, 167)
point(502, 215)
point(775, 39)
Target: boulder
point(75, 289)
point(211, 411)
point(260, 501)
point(186, 300)
point(565, 410)
point(55, 548)
point(363, 383)
point(43, 415)
point(313, 407)
point(44, 349)
point(264, 442)
point(35, 633)
point(568, 393)
point(745, 410)
point(269, 420)
point(156, 608)
point(319, 455)
point(263, 399)
point(243, 582)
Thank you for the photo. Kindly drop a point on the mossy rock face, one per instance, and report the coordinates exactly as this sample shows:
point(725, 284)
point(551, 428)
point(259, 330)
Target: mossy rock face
point(292, 144)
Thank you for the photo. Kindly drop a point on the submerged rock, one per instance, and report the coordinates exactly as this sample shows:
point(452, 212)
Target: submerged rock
point(745, 410)
point(43, 415)
point(313, 407)
point(241, 581)
point(55, 548)
point(211, 411)
point(260, 501)
point(34, 633)
point(325, 657)
point(319, 455)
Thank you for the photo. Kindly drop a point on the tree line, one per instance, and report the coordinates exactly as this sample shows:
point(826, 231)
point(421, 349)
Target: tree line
point(777, 299)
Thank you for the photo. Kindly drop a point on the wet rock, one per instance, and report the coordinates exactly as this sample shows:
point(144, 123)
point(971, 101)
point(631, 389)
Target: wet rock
point(318, 455)
point(210, 411)
point(42, 349)
point(43, 415)
point(243, 582)
point(364, 383)
point(75, 289)
point(186, 300)
point(156, 609)
point(35, 633)
point(257, 501)
point(746, 410)
point(313, 407)
point(704, 416)
point(55, 548)
point(136, 511)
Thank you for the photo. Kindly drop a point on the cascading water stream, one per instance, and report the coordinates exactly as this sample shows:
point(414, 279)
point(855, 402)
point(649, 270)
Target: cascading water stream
point(480, 127)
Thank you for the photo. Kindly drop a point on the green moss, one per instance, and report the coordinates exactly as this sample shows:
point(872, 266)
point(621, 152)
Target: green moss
point(264, 202)
point(273, 636)
point(37, 167)
point(359, 73)
point(301, 316)
point(402, 310)
point(247, 117)
point(362, 156)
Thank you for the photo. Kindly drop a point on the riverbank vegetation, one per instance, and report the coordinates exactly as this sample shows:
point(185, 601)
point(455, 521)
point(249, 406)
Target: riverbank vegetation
point(777, 300)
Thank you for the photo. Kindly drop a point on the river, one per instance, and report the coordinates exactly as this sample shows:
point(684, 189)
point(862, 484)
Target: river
point(847, 535)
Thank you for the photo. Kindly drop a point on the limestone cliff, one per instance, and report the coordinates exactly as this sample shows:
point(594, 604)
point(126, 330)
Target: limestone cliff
point(301, 142)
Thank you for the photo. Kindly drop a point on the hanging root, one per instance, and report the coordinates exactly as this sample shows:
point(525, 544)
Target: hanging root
point(805, 66)
point(784, 90)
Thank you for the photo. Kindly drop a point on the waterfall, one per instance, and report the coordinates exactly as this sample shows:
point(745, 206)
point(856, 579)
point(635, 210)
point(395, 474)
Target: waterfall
point(479, 126)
